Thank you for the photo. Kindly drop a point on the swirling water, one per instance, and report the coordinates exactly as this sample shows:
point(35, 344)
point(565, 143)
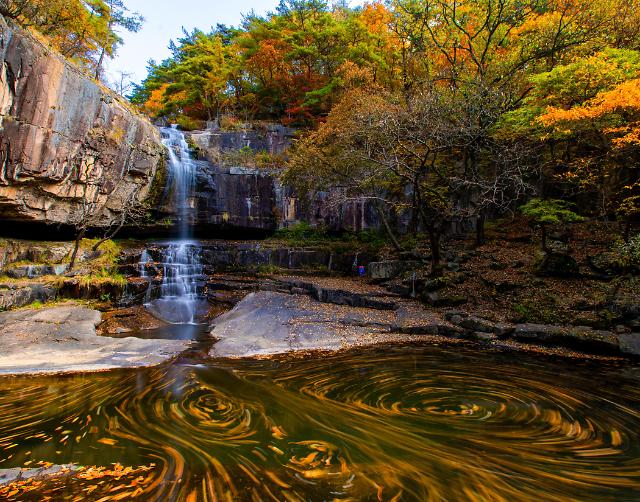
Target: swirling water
point(399, 423)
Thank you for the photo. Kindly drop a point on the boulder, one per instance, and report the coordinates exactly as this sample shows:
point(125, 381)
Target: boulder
point(630, 343)
point(478, 324)
point(390, 269)
point(267, 323)
point(542, 332)
point(33, 271)
point(556, 265)
point(15, 296)
point(580, 337)
point(436, 299)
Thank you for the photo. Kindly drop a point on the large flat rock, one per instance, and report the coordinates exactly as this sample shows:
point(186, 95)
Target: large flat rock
point(268, 323)
point(63, 340)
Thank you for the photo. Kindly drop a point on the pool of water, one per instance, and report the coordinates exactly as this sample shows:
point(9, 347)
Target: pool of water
point(399, 423)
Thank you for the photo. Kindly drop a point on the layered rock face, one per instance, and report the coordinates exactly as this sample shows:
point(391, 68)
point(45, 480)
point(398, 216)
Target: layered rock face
point(254, 198)
point(65, 140)
point(272, 138)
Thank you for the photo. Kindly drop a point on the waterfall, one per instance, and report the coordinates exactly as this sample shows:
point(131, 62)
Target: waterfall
point(182, 179)
point(180, 300)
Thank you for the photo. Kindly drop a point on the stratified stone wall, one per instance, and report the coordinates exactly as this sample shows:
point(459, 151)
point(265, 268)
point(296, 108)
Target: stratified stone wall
point(64, 138)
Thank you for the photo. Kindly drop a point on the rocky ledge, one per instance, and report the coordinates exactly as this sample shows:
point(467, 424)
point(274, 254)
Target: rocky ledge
point(63, 340)
point(268, 323)
point(292, 314)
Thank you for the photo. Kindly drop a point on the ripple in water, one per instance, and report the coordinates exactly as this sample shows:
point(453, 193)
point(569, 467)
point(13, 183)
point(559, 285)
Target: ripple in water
point(400, 424)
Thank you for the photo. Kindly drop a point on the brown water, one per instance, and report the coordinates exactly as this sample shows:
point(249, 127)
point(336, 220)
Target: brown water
point(405, 423)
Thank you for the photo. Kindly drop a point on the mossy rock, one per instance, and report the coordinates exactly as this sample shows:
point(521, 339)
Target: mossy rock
point(556, 265)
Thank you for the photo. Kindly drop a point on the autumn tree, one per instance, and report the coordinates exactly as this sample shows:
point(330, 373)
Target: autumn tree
point(83, 31)
point(116, 16)
point(586, 114)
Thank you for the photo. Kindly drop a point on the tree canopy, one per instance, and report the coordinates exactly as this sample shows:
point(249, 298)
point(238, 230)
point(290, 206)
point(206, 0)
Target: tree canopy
point(443, 109)
point(85, 31)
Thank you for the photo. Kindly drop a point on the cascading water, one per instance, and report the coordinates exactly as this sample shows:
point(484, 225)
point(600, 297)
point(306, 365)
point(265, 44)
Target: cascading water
point(180, 301)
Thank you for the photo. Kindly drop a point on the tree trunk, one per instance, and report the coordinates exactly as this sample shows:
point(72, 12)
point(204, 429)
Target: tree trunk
point(434, 242)
point(480, 236)
point(99, 64)
point(627, 229)
point(415, 213)
point(79, 237)
point(108, 236)
point(388, 229)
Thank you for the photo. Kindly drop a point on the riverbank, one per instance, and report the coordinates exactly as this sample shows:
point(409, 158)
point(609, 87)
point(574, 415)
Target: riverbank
point(491, 295)
point(290, 316)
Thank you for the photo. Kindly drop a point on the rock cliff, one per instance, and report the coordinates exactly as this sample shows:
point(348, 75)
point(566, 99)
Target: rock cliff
point(253, 199)
point(64, 139)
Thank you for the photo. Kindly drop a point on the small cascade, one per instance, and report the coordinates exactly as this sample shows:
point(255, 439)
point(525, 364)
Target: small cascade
point(180, 300)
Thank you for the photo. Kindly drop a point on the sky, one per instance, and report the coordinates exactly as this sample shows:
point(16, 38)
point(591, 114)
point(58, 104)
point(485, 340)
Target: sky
point(164, 20)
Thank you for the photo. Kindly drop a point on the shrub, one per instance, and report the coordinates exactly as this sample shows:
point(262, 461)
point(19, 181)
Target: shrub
point(300, 232)
point(248, 157)
point(627, 254)
point(190, 124)
point(543, 308)
point(230, 123)
point(549, 212)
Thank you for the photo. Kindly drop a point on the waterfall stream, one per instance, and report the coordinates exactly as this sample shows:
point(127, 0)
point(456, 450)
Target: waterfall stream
point(180, 300)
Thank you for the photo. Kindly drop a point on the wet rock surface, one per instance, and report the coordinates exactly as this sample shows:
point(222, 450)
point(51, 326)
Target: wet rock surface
point(63, 339)
point(336, 313)
point(21, 474)
point(31, 271)
point(251, 256)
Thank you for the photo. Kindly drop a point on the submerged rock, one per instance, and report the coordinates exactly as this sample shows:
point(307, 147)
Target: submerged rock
point(63, 340)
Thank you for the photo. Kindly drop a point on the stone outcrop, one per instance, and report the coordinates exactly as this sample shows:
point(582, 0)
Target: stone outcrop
point(236, 197)
point(253, 201)
point(12, 251)
point(285, 314)
point(251, 256)
point(267, 323)
point(63, 339)
point(65, 138)
point(211, 144)
point(19, 295)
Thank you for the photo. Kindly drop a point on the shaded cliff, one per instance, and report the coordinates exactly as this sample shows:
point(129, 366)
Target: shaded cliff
point(69, 149)
point(244, 202)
